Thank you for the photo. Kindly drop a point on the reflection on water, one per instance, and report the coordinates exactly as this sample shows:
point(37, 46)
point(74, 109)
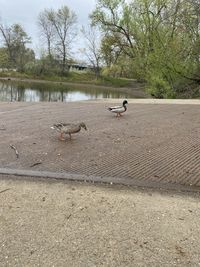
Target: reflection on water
point(35, 92)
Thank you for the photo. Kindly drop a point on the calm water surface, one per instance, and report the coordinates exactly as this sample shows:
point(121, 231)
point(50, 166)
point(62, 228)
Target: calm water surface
point(51, 92)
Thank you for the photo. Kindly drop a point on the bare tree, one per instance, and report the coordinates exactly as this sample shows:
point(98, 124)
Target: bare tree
point(93, 49)
point(47, 31)
point(63, 22)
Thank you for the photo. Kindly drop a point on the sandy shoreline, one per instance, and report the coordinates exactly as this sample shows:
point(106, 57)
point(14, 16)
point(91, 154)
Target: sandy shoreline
point(57, 224)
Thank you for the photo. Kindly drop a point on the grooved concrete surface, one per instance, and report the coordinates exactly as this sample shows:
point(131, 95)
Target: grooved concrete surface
point(150, 143)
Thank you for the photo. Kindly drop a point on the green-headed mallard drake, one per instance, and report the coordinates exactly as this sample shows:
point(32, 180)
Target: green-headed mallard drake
point(68, 128)
point(119, 109)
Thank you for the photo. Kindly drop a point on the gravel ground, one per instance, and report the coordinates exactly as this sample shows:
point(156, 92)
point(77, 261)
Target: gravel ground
point(56, 223)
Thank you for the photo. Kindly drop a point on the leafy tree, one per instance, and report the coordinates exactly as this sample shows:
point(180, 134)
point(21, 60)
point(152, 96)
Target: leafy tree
point(15, 40)
point(3, 58)
point(111, 49)
point(160, 38)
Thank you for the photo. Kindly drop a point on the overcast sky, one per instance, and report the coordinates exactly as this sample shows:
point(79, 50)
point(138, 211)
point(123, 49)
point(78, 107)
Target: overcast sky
point(25, 12)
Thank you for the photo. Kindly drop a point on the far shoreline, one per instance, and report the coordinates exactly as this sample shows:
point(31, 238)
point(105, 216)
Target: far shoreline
point(136, 91)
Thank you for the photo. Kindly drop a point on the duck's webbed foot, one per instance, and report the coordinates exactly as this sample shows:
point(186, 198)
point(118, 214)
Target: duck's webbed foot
point(118, 115)
point(61, 137)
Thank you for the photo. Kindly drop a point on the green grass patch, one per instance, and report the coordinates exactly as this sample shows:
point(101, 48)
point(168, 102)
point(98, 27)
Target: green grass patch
point(74, 77)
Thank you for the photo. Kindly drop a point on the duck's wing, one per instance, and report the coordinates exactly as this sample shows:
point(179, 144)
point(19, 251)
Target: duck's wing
point(70, 128)
point(116, 109)
point(62, 126)
point(66, 124)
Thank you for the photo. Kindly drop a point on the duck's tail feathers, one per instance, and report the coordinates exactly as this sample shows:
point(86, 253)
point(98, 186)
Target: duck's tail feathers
point(56, 126)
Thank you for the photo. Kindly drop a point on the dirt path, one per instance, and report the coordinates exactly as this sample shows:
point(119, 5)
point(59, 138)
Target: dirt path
point(49, 223)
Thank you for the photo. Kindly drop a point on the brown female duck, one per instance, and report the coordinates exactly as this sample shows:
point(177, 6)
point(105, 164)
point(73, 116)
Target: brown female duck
point(68, 128)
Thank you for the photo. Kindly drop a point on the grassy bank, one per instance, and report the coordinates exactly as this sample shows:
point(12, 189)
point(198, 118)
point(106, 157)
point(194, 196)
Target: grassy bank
point(73, 77)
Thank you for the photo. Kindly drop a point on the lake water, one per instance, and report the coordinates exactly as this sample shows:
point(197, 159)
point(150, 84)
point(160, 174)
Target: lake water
point(53, 92)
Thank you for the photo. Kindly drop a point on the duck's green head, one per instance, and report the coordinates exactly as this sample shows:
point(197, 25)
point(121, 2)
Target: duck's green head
point(82, 124)
point(125, 102)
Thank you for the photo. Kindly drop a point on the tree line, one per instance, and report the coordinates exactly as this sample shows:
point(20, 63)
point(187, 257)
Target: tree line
point(156, 41)
point(56, 31)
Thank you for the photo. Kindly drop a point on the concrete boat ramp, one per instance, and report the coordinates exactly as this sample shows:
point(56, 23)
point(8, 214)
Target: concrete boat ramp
point(155, 143)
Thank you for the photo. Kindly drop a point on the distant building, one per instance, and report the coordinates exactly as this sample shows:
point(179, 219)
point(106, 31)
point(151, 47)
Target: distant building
point(79, 67)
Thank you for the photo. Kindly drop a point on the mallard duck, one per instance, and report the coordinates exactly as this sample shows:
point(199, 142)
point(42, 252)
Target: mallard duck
point(119, 109)
point(68, 128)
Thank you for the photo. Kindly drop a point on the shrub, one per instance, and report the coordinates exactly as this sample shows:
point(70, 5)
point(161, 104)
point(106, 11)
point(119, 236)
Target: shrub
point(158, 87)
